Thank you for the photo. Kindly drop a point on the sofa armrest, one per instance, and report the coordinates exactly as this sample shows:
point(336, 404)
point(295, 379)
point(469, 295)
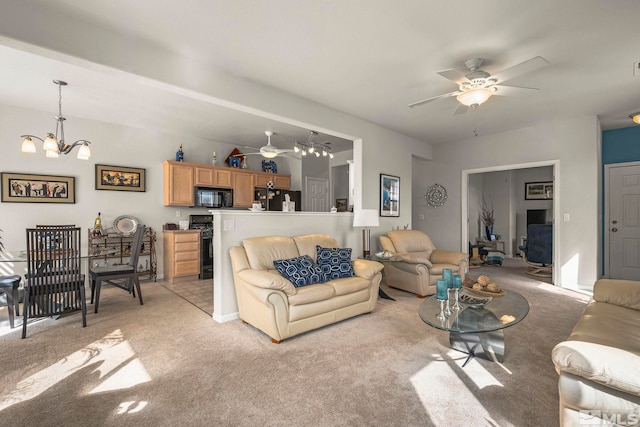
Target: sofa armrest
point(267, 280)
point(414, 259)
point(366, 269)
point(612, 367)
point(625, 293)
point(448, 257)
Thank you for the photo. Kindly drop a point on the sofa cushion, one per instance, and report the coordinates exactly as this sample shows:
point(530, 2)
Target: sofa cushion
point(348, 285)
point(625, 293)
point(307, 244)
point(335, 262)
point(262, 251)
point(312, 294)
point(301, 271)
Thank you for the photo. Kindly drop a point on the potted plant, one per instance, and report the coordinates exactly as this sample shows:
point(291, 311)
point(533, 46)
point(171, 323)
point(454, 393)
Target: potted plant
point(486, 215)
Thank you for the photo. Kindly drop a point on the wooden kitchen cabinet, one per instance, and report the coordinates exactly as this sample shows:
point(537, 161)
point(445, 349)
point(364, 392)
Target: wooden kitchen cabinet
point(178, 183)
point(243, 183)
point(282, 182)
point(211, 176)
point(181, 254)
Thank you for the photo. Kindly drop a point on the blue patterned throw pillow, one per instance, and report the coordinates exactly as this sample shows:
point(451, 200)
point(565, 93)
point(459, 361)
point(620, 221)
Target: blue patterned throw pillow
point(335, 263)
point(301, 271)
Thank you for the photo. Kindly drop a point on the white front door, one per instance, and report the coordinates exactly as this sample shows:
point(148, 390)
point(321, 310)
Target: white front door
point(623, 222)
point(316, 194)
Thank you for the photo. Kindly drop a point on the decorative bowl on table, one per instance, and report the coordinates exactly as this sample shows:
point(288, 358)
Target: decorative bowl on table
point(483, 286)
point(384, 255)
point(473, 300)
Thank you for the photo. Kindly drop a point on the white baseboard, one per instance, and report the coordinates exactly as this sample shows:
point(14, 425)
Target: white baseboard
point(226, 318)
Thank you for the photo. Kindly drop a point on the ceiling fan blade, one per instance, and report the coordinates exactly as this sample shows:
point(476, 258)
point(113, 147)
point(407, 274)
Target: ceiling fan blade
point(522, 68)
point(453, 75)
point(424, 101)
point(514, 90)
point(460, 109)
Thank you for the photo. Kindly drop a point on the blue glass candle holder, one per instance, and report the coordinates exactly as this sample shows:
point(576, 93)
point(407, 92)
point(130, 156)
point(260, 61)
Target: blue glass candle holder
point(447, 274)
point(442, 295)
point(457, 285)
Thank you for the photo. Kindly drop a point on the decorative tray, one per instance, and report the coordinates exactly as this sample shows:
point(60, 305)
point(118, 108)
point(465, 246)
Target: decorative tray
point(468, 283)
point(125, 225)
point(384, 255)
point(473, 300)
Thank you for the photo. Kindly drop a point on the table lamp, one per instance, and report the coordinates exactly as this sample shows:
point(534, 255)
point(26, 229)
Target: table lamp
point(366, 218)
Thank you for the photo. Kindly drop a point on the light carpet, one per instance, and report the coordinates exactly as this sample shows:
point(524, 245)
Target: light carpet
point(168, 363)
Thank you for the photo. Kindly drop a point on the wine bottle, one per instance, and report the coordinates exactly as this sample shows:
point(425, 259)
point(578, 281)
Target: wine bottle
point(180, 155)
point(98, 222)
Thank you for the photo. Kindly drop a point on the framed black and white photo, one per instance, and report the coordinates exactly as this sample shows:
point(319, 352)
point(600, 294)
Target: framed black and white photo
point(389, 195)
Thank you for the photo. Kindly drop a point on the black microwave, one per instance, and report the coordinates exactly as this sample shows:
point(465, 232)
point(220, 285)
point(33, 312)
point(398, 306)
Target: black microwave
point(214, 197)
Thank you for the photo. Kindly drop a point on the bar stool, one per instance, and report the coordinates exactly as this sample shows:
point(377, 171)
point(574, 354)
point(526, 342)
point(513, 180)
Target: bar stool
point(9, 285)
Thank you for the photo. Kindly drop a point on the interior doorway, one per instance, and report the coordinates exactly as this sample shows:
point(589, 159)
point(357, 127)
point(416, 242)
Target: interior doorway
point(316, 191)
point(512, 210)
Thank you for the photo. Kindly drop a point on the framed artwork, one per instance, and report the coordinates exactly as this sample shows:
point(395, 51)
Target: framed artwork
point(120, 178)
point(341, 205)
point(29, 188)
point(389, 195)
point(538, 190)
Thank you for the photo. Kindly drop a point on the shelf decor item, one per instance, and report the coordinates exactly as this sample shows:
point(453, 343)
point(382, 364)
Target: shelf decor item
point(436, 195)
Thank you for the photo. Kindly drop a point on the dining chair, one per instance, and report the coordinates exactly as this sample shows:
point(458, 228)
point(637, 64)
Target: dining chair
point(128, 272)
point(9, 285)
point(54, 283)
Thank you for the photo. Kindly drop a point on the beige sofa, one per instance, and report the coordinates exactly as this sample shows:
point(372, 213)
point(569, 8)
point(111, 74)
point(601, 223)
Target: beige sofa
point(272, 304)
point(421, 264)
point(599, 364)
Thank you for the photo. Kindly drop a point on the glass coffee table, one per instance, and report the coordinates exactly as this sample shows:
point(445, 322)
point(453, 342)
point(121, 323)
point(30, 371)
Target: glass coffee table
point(477, 330)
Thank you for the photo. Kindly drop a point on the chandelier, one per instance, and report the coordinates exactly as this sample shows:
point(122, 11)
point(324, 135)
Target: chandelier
point(52, 145)
point(312, 147)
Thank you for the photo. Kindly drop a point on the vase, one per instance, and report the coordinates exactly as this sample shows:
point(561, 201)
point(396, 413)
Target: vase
point(489, 231)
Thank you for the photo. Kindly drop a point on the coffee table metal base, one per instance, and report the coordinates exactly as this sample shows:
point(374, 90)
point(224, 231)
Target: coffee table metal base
point(487, 345)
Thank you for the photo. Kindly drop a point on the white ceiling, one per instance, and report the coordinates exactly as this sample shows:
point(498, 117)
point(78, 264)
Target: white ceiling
point(363, 57)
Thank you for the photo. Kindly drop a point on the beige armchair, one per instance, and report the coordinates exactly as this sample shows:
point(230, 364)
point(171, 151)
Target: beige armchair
point(421, 263)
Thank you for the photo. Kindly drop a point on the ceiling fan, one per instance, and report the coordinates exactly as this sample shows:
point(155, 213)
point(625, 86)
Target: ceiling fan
point(477, 86)
point(270, 151)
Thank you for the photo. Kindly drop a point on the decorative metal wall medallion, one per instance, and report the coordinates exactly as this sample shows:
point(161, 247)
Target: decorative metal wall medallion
point(436, 195)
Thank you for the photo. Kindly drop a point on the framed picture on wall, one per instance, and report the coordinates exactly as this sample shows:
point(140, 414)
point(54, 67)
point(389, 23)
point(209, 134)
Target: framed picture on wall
point(341, 205)
point(120, 178)
point(29, 188)
point(538, 190)
point(389, 195)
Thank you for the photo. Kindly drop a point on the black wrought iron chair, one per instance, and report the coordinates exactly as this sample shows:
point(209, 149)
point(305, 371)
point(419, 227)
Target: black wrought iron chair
point(538, 250)
point(9, 285)
point(54, 283)
point(128, 272)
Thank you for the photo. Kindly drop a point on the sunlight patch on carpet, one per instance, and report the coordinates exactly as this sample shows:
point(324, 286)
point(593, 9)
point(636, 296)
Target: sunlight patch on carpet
point(444, 387)
point(115, 359)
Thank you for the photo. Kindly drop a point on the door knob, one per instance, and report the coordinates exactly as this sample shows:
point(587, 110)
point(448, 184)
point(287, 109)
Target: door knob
point(614, 229)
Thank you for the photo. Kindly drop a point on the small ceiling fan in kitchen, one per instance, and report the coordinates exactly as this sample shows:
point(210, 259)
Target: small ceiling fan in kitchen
point(477, 86)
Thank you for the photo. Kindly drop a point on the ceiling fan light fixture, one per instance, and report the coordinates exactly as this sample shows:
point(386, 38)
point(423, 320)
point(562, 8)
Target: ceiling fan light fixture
point(635, 117)
point(475, 97)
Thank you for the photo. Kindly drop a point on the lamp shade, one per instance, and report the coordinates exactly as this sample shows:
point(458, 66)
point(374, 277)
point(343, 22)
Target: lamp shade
point(366, 218)
point(475, 96)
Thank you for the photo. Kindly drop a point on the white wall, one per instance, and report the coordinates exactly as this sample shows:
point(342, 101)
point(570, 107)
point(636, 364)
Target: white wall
point(574, 144)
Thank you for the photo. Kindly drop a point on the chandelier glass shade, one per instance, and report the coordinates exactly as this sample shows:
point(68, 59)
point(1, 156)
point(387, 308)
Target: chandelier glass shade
point(54, 144)
point(475, 97)
point(635, 117)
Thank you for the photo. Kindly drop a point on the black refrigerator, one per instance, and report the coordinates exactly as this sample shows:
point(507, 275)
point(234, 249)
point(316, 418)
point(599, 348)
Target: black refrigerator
point(272, 200)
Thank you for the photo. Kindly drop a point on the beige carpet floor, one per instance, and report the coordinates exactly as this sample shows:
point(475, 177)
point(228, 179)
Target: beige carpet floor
point(167, 363)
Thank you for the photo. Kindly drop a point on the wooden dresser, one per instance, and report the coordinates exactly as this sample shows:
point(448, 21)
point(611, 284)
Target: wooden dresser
point(181, 258)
